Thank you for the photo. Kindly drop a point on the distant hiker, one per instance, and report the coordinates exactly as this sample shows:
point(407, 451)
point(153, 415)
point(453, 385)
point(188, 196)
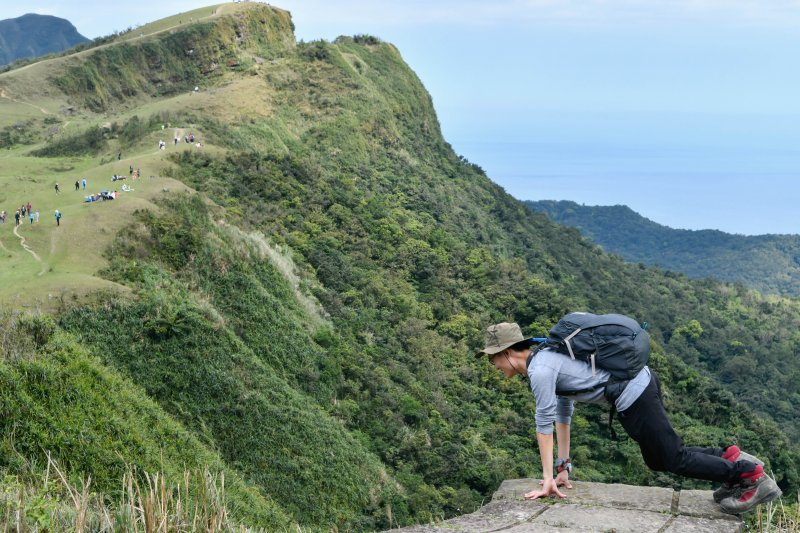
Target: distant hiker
point(161, 144)
point(16, 218)
point(558, 379)
point(58, 189)
point(130, 170)
point(77, 185)
point(119, 156)
point(37, 216)
point(176, 140)
point(31, 217)
point(58, 217)
point(83, 182)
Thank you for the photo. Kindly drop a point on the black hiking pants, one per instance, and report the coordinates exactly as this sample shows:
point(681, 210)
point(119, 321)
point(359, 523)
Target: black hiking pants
point(662, 449)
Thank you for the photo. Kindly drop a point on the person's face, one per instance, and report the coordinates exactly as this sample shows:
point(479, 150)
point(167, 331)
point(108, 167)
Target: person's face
point(502, 362)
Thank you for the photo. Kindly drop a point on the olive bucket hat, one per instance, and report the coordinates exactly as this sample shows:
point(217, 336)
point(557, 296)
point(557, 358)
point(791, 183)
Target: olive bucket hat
point(501, 336)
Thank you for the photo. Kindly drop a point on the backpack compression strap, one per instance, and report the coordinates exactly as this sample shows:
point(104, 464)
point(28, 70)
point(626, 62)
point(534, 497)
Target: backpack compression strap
point(569, 348)
point(569, 338)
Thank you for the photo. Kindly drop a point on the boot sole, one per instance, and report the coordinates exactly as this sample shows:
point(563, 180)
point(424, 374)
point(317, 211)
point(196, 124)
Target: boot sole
point(773, 493)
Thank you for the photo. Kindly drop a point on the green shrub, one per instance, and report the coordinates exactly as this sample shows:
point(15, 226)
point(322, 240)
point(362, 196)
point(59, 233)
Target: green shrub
point(89, 142)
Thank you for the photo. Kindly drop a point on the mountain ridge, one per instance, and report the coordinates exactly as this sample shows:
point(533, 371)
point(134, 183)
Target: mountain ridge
point(768, 263)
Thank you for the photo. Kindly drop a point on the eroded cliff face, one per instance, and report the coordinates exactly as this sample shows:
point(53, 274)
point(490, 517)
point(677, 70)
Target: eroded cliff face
point(177, 59)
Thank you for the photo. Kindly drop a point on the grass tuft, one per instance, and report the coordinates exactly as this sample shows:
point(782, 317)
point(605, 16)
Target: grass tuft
point(148, 503)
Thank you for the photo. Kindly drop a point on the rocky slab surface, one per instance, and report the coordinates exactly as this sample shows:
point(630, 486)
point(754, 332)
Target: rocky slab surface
point(592, 507)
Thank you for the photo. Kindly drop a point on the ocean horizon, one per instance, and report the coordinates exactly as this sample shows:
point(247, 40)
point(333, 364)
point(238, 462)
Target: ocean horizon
point(739, 190)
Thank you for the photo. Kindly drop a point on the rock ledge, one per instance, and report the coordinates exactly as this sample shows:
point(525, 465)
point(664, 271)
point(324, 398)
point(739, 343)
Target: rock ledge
point(592, 507)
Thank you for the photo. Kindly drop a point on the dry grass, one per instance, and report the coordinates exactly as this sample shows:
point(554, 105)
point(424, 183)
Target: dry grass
point(282, 260)
point(777, 517)
point(149, 503)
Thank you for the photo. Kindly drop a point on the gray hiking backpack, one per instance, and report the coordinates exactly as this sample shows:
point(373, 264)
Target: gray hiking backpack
point(615, 343)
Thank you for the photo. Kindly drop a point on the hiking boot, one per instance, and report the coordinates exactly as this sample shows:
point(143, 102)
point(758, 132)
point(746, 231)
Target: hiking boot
point(751, 492)
point(733, 454)
point(725, 490)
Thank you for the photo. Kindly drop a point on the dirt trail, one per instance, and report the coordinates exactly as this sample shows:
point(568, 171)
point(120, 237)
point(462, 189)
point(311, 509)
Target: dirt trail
point(29, 249)
point(4, 95)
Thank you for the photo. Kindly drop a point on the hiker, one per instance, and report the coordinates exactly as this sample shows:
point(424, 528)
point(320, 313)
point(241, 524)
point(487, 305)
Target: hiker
point(31, 216)
point(83, 182)
point(77, 185)
point(37, 216)
point(58, 189)
point(16, 218)
point(58, 217)
point(557, 380)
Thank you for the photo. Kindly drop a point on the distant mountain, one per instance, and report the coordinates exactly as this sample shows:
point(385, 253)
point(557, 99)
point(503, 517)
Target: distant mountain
point(768, 263)
point(35, 35)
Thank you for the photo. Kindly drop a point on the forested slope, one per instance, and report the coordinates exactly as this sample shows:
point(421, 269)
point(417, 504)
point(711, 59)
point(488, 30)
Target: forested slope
point(307, 309)
point(767, 263)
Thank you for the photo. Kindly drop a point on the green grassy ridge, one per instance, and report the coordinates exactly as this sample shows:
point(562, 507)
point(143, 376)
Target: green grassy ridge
point(58, 399)
point(176, 62)
point(187, 357)
point(768, 263)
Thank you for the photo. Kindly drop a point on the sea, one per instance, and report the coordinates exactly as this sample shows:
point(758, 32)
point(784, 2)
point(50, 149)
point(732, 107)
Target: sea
point(742, 189)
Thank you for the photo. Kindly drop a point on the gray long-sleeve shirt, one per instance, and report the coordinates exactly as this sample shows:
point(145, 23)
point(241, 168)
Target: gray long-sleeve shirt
point(550, 371)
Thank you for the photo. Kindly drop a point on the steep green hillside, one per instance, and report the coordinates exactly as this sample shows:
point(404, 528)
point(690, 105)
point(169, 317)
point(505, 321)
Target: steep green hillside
point(175, 62)
point(302, 292)
point(58, 399)
point(767, 263)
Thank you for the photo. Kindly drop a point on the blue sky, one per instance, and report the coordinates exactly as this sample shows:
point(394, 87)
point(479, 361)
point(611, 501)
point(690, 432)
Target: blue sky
point(685, 110)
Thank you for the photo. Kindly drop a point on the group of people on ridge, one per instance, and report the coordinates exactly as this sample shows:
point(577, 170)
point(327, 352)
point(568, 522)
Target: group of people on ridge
point(26, 210)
